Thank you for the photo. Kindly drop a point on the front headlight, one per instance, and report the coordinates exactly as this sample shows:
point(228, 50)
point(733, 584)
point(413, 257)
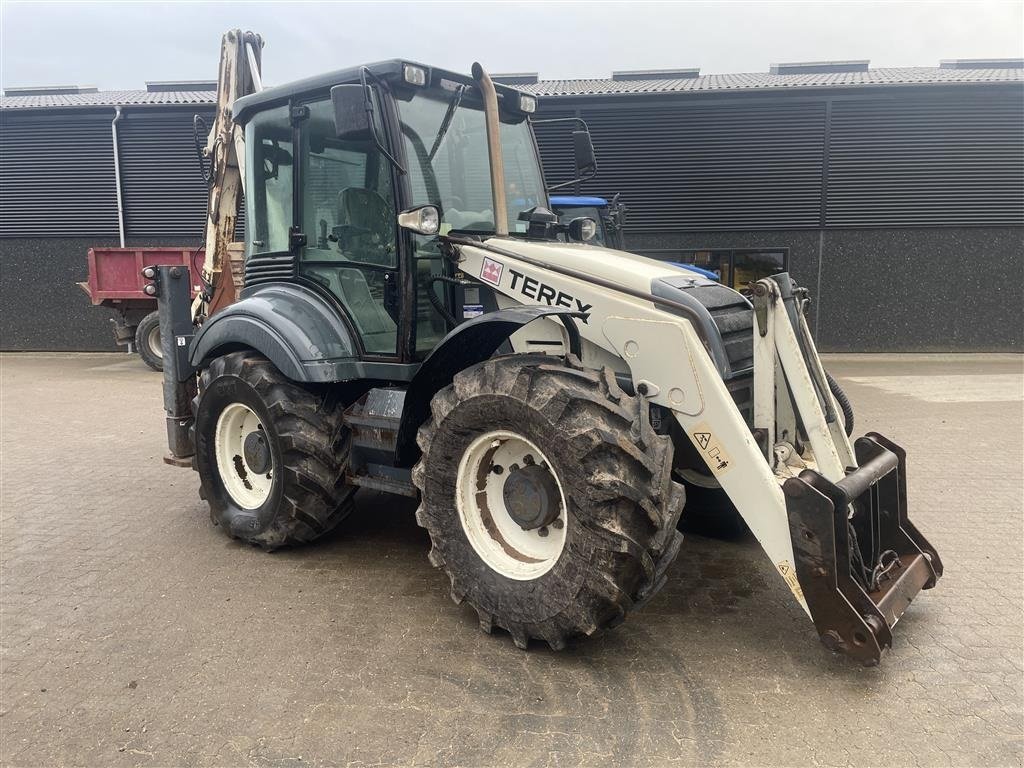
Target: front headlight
point(527, 104)
point(414, 75)
point(582, 229)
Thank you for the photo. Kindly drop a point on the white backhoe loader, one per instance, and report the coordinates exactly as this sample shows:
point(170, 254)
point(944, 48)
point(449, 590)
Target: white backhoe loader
point(414, 320)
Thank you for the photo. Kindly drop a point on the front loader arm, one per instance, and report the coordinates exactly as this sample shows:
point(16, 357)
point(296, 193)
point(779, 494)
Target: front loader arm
point(831, 518)
point(670, 366)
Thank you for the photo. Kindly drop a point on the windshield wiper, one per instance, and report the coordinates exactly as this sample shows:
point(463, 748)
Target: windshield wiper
point(447, 121)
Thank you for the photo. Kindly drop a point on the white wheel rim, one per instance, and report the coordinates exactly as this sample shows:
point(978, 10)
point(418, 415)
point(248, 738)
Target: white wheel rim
point(247, 488)
point(499, 541)
point(154, 342)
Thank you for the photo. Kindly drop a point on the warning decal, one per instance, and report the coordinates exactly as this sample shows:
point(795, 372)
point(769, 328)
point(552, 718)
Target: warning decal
point(718, 461)
point(789, 574)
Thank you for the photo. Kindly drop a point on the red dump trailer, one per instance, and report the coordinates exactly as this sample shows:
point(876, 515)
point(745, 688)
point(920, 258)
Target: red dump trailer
point(115, 281)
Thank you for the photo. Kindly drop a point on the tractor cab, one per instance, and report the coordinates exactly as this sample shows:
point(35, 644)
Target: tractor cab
point(350, 178)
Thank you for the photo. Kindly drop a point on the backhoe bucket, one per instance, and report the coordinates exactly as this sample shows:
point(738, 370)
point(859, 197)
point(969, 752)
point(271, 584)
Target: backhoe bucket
point(859, 559)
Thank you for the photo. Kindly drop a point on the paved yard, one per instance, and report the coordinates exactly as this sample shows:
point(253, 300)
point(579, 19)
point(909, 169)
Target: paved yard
point(136, 634)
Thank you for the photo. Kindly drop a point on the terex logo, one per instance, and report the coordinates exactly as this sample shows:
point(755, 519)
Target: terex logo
point(535, 289)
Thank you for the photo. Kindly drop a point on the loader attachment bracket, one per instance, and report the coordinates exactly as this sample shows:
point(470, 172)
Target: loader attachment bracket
point(859, 559)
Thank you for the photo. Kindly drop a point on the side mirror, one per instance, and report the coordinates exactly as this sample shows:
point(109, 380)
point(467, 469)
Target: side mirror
point(583, 151)
point(351, 113)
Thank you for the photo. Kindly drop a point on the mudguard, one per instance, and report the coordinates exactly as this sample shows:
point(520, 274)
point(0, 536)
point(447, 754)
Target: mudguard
point(294, 327)
point(469, 343)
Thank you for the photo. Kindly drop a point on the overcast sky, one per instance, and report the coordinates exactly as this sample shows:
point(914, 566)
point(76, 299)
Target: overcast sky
point(121, 45)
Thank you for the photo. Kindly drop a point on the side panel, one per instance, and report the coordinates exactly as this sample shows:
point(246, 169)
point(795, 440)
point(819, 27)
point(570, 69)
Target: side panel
point(292, 326)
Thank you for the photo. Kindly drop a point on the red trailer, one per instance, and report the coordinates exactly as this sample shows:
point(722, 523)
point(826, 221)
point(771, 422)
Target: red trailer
point(115, 281)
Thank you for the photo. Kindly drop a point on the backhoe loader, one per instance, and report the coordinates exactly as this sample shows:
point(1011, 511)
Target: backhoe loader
point(414, 319)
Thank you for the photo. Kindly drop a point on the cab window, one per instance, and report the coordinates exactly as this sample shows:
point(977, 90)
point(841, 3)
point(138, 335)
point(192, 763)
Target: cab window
point(269, 182)
point(349, 218)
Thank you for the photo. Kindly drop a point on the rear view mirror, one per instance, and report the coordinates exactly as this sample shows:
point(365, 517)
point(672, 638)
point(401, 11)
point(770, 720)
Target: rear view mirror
point(583, 150)
point(351, 113)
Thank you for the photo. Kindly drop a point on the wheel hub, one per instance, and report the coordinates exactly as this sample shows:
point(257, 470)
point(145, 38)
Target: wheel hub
point(245, 462)
point(531, 497)
point(511, 505)
point(256, 452)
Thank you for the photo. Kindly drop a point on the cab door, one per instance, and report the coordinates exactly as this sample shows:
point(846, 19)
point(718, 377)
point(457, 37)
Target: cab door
point(348, 219)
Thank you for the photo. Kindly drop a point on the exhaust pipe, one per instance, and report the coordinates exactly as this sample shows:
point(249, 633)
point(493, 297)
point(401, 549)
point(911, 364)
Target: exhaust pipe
point(493, 148)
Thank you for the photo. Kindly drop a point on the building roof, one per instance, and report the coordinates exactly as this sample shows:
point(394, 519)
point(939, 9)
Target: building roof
point(107, 99)
point(757, 81)
point(754, 81)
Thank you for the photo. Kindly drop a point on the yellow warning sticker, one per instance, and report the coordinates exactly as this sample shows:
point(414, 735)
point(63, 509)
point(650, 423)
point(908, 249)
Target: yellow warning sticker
point(789, 574)
point(714, 454)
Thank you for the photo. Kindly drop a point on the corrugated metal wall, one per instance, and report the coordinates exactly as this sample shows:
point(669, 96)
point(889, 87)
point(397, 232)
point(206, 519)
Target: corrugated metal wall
point(164, 195)
point(916, 157)
point(57, 174)
point(949, 158)
point(926, 162)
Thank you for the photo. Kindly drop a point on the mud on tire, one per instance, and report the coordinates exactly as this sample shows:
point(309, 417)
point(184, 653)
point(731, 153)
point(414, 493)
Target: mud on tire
point(308, 443)
point(615, 473)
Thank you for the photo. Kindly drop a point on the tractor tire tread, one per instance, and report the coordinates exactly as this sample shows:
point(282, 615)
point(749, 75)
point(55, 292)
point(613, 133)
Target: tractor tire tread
point(314, 452)
point(629, 515)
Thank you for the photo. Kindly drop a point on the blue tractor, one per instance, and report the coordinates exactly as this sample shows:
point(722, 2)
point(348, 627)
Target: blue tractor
point(610, 218)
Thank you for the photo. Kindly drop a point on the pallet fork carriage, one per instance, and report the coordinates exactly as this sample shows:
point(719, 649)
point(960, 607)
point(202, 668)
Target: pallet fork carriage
point(551, 432)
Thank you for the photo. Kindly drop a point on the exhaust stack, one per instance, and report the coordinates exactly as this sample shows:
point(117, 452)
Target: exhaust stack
point(493, 148)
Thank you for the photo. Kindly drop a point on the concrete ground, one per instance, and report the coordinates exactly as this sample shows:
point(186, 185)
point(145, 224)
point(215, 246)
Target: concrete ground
point(136, 634)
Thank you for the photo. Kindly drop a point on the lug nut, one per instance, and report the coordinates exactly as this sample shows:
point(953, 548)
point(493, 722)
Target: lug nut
point(528, 460)
point(497, 469)
point(557, 524)
point(542, 531)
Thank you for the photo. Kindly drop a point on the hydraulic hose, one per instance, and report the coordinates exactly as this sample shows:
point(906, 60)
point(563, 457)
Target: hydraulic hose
point(435, 300)
point(844, 402)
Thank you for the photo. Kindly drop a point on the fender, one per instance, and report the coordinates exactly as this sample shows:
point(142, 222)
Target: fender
point(296, 329)
point(469, 343)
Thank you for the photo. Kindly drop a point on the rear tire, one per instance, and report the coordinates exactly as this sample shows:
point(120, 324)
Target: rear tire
point(271, 454)
point(618, 502)
point(147, 341)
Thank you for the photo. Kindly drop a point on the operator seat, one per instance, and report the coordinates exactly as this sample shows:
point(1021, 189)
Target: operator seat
point(366, 226)
point(366, 234)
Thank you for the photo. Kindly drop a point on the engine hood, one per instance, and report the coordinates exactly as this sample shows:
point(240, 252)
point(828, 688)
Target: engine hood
point(722, 317)
point(627, 269)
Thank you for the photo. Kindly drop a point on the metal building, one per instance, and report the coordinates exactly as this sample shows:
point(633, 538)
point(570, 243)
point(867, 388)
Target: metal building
point(896, 195)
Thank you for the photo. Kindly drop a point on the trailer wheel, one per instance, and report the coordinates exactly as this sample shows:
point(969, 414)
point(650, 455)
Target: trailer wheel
point(147, 341)
point(548, 497)
point(271, 454)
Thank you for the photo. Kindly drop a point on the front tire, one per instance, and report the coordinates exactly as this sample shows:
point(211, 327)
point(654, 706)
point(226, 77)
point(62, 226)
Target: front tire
point(610, 487)
point(271, 454)
point(147, 341)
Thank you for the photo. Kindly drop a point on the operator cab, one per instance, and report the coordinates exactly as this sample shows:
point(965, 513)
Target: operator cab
point(333, 160)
